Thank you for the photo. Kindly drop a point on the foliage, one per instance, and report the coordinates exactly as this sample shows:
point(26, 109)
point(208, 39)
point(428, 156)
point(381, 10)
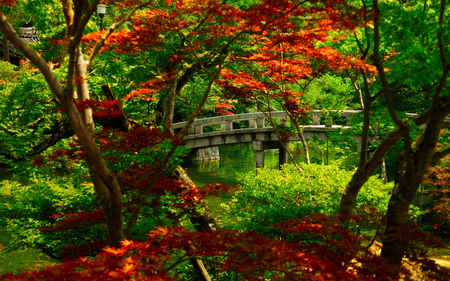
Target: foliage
point(66, 220)
point(28, 208)
point(438, 180)
point(273, 196)
point(24, 97)
point(330, 92)
point(249, 255)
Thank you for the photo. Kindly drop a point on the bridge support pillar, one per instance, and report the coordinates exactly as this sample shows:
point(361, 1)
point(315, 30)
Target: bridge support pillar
point(282, 155)
point(258, 147)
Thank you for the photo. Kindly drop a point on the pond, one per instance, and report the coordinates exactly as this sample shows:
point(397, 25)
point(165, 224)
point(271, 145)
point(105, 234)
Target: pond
point(240, 158)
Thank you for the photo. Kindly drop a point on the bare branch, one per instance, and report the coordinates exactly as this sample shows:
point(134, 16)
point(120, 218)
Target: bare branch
point(68, 13)
point(441, 30)
point(440, 154)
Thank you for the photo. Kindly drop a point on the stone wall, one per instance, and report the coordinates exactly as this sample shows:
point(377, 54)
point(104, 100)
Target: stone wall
point(205, 154)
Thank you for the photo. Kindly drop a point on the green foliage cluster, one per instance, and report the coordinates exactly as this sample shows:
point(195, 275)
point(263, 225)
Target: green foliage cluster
point(272, 196)
point(36, 201)
point(28, 112)
point(28, 206)
point(331, 91)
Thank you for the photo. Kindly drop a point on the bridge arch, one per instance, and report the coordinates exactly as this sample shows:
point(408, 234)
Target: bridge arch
point(258, 134)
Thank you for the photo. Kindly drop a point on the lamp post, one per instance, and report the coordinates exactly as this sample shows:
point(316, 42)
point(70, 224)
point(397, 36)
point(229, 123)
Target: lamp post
point(101, 11)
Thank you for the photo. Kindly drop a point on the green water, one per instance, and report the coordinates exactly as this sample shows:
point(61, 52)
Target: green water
point(240, 158)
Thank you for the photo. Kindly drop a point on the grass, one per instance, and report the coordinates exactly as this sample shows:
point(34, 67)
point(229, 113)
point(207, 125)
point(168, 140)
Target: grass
point(21, 260)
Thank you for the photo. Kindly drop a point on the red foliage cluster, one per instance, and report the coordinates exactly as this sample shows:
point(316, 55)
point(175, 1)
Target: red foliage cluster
point(11, 3)
point(145, 149)
point(151, 87)
point(101, 109)
point(221, 108)
point(271, 28)
point(324, 250)
point(438, 177)
point(285, 48)
point(83, 250)
point(75, 220)
point(134, 141)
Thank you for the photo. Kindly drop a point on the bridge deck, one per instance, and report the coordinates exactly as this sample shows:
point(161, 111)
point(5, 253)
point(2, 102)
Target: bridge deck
point(196, 138)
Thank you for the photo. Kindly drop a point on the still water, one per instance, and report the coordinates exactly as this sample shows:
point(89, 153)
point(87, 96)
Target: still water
point(238, 158)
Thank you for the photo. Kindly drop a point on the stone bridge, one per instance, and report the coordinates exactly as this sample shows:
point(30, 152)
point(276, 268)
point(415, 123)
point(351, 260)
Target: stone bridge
point(258, 134)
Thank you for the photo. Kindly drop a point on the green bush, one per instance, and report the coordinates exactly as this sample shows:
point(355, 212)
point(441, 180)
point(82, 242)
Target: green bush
point(26, 208)
point(272, 196)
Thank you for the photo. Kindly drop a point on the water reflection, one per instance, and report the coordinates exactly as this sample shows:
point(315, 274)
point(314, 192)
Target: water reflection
point(240, 158)
point(233, 159)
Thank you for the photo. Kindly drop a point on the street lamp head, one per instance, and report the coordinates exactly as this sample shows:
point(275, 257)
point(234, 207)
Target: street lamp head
point(101, 10)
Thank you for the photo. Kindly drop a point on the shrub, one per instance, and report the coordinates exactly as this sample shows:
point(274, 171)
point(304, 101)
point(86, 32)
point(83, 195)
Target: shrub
point(271, 196)
point(27, 209)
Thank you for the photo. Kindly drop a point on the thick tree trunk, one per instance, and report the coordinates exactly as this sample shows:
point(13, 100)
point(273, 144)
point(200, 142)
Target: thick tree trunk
point(394, 243)
point(407, 184)
point(6, 49)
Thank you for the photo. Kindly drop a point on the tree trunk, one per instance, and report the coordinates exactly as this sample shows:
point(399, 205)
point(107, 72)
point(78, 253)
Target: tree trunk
point(302, 139)
point(124, 123)
point(6, 49)
point(201, 222)
point(204, 221)
point(105, 184)
point(417, 160)
point(169, 108)
point(200, 270)
point(363, 172)
point(394, 243)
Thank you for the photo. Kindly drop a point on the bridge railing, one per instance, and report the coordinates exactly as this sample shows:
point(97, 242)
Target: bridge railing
point(256, 120)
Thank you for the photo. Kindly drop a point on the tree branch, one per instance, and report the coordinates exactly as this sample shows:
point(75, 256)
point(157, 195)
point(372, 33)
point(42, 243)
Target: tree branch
point(113, 28)
point(32, 55)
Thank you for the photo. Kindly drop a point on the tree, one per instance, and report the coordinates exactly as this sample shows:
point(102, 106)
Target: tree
point(394, 44)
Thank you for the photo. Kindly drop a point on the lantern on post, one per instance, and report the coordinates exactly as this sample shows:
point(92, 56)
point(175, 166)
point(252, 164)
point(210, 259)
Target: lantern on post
point(101, 11)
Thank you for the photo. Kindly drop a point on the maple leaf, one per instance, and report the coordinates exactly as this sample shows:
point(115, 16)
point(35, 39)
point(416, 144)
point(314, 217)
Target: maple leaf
point(117, 252)
point(126, 242)
point(128, 267)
